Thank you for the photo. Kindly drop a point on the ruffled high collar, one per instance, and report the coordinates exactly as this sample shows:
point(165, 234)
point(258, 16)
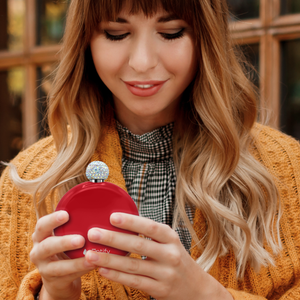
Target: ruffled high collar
point(148, 147)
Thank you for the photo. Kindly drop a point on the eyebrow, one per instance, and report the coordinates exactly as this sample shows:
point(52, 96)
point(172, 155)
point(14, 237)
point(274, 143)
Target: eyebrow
point(163, 19)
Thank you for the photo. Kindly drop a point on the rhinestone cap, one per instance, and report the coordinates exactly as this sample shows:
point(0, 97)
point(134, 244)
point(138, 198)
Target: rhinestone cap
point(97, 171)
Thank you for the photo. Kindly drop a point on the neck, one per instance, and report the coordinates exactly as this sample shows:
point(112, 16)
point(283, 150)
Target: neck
point(140, 127)
point(143, 123)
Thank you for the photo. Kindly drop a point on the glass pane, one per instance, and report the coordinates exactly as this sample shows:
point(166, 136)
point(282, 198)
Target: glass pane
point(289, 7)
point(50, 21)
point(11, 99)
point(12, 17)
point(243, 9)
point(290, 87)
point(44, 82)
point(251, 53)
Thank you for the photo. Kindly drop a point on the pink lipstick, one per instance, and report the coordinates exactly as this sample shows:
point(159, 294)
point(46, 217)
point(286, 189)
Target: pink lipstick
point(144, 88)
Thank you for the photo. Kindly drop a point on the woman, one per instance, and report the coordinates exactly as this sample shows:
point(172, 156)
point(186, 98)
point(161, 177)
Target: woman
point(154, 89)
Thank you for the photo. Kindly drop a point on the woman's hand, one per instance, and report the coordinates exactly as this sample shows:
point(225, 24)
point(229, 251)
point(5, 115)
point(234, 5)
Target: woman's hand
point(60, 275)
point(168, 272)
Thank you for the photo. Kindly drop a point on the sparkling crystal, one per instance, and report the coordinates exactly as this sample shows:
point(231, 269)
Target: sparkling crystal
point(97, 170)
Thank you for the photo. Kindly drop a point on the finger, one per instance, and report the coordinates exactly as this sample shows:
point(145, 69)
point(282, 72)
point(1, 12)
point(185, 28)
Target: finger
point(138, 282)
point(125, 264)
point(45, 225)
point(161, 233)
point(72, 268)
point(127, 242)
point(54, 245)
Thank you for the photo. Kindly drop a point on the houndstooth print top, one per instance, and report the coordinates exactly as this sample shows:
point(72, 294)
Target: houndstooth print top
point(149, 173)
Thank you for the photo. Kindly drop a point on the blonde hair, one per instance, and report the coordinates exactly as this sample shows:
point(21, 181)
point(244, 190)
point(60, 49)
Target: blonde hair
point(215, 170)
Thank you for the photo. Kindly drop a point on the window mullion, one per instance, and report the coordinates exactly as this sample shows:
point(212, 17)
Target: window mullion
point(275, 9)
point(270, 73)
point(30, 29)
point(275, 80)
point(29, 105)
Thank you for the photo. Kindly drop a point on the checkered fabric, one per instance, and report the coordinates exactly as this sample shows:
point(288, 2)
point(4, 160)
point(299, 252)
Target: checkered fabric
point(150, 177)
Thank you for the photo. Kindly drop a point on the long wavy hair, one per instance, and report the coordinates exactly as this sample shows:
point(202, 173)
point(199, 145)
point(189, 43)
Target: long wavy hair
point(212, 137)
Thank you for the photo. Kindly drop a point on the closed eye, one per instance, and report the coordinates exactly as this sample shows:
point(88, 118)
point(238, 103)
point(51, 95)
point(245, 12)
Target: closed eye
point(115, 37)
point(173, 36)
point(166, 36)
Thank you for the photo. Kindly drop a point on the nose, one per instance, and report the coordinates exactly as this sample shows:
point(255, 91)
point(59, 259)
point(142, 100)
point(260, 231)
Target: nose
point(143, 54)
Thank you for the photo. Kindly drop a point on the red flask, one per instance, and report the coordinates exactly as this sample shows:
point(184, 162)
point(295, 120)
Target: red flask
point(89, 205)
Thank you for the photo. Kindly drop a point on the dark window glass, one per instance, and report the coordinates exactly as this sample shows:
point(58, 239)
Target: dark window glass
point(243, 9)
point(251, 53)
point(12, 17)
point(11, 99)
point(50, 21)
point(251, 64)
point(289, 7)
point(290, 88)
point(45, 76)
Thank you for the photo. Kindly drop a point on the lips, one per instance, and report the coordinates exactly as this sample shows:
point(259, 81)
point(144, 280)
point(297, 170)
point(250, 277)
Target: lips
point(144, 88)
point(151, 82)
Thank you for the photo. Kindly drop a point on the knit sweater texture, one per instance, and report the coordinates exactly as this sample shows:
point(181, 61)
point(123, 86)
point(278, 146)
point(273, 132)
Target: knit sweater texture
point(19, 278)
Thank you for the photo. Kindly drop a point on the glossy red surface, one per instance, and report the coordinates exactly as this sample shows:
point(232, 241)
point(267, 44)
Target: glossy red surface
point(90, 205)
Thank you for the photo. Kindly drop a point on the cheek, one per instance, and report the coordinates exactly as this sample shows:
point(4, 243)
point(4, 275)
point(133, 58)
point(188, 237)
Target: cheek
point(108, 60)
point(184, 56)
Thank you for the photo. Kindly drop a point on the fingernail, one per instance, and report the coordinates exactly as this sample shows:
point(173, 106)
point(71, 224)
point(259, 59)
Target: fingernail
point(95, 234)
point(76, 241)
point(116, 218)
point(88, 264)
point(92, 256)
point(61, 216)
point(103, 271)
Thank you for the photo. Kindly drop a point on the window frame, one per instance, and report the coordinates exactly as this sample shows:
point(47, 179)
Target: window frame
point(30, 58)
point(268, 30)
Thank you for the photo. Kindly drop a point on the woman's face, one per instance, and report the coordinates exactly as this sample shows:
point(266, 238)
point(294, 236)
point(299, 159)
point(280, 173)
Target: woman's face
point(146, 63)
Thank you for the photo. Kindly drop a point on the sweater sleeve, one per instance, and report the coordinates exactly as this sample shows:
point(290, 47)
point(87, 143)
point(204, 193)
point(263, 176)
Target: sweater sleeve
point(31, 285)
point(281, 281)
point(292, 294)
point(280, 155)
point(19, 278)
point(17, 223)
point(239, 295)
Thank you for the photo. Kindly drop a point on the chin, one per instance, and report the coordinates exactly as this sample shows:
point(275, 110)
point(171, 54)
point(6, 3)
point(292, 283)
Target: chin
point(146, 112)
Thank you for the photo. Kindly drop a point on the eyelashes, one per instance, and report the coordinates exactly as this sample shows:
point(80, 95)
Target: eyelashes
point(173, 36)
point(115, 37)
point(166, 36)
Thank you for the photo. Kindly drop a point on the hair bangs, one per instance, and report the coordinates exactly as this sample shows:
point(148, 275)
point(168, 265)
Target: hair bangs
point(108, 10)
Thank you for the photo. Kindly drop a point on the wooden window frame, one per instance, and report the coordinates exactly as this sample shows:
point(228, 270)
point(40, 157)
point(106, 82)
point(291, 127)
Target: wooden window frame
point(29, 58)
point(269, 30)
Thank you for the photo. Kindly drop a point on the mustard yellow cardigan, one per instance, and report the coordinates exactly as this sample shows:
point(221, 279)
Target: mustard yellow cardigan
point(19, 278)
